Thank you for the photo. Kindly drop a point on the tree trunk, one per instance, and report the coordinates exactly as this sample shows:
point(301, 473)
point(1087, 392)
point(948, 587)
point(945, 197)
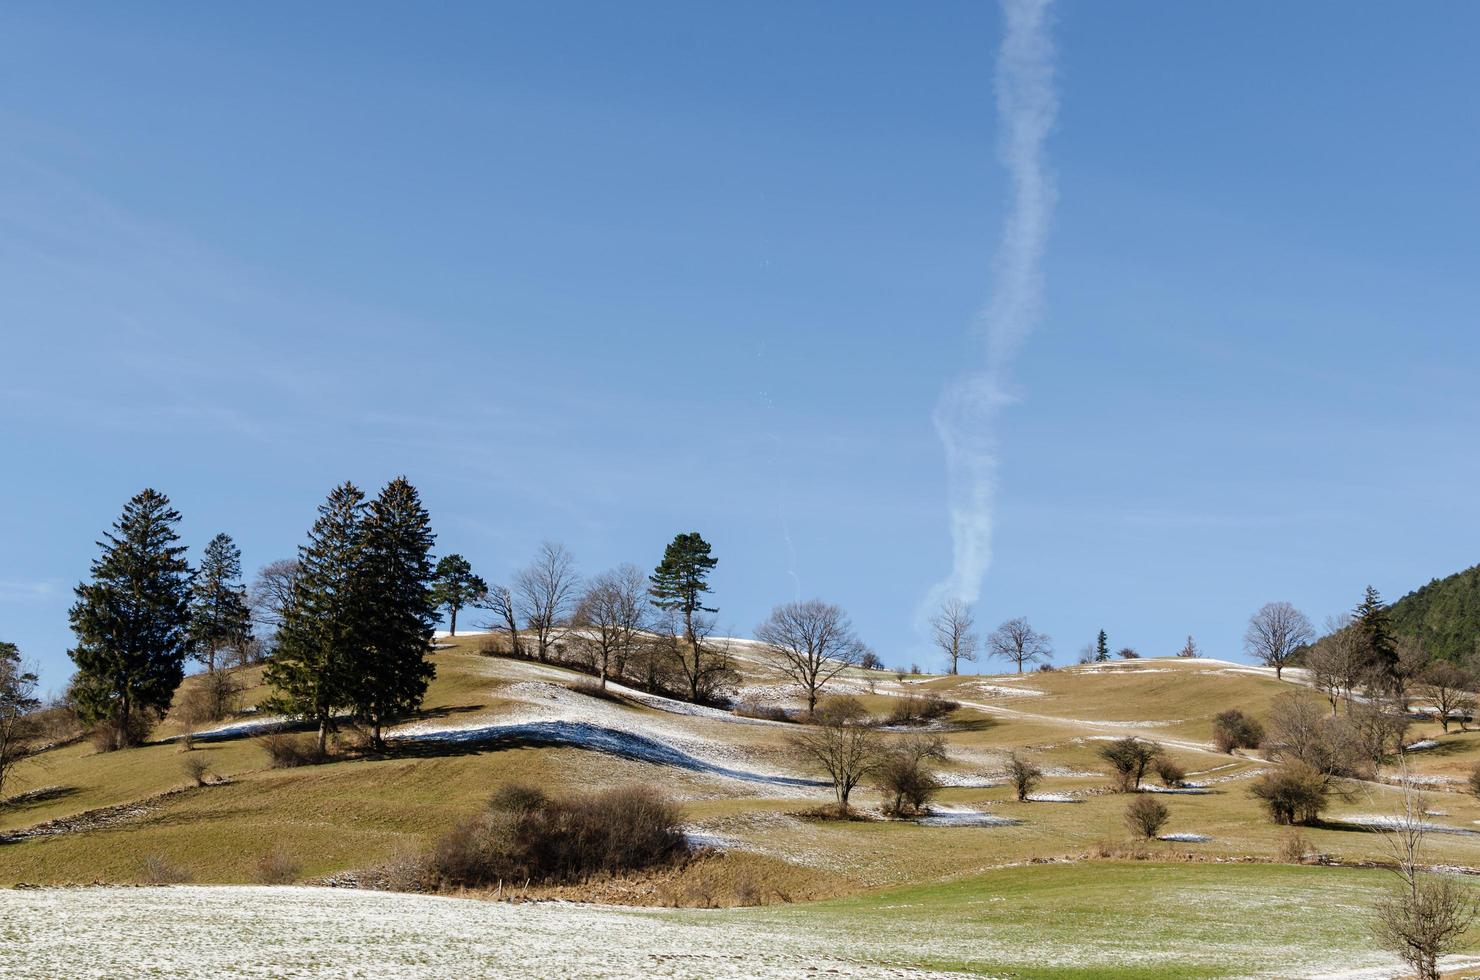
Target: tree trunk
point(323, 735)
point(453, 631)
point(1277, 669)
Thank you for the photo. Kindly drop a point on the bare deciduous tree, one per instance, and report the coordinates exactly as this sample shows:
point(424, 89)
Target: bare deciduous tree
point(17, 700)
point(1275, 633)
point(612, 619)
point(1450, 689)
point(1337, 662)
point(1429, 914)
point(684, 647)
point(544, 593)
point(842, 745)
point(500, 601)
point(1016, 641)
point(1023, 775)
point(810, 642)
point(904, 776)
point(272, 591)
point(1129, 758)
point(951, 628)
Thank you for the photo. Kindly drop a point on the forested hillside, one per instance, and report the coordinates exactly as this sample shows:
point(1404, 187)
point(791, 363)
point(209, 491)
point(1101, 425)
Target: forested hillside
point(1445, 614)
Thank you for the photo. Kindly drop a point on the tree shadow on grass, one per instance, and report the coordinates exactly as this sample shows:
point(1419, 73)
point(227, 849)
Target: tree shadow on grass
point(21, 802)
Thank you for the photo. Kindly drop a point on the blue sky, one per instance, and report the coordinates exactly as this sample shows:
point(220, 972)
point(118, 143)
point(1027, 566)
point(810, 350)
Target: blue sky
point(601, 273)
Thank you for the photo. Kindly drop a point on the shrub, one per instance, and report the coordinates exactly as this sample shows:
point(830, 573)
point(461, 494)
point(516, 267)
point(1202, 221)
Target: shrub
point(286, 751)
point(1169, 771)
point(277, 867)
point(752, 707)
point(196, 768)
point(1232, 729)
point(525, 835)
point(1293, 793)
point(1126, 653)
point(920, 709)
point(1293, 847)
point(907, 785)
point(1145, 816)
point(593, 688)
point(122, 733)
point(211, 697)
point(158, 871)
point(1474, 781)
point(1023, 775)
point(1128, 759)
point(871, 661)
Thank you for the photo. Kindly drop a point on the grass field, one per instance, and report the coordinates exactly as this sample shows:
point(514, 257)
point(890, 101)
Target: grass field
point(1189, 908)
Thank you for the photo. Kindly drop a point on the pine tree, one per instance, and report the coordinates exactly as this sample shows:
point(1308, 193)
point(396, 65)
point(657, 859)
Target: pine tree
point(679, 583)
point(456, 587)
point(325, 626)
point(132, 621)
point(1102, 647)
point(219, 615)
point(392, 672)
point(1370, 620)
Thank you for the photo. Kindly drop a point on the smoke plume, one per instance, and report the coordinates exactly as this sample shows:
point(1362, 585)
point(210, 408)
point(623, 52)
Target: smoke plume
point(966, 415)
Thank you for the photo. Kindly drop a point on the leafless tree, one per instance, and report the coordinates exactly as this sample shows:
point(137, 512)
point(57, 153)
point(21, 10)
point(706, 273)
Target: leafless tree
point(544, 593)
point(1337, 662)
point(1450, 689)
point(17, 700)
point(1413, 660)
point(842, 745)
point(1023, 775)
point(500, 602)
point(1428, 914)
point(951, 627)
point(612, 619)
point(1381, 726)
point(1145, 816)
point(1129, 758)
point(1016, 641)
point(1275, 633)
point(1299, 730)
point(811, 643)
point(1189, 649)
point(904, 776)
point(272, 591)
point(686, 649)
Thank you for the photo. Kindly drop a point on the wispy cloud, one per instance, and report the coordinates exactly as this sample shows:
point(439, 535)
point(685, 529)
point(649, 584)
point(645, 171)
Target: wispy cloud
point(23, 592)
point(966, 415)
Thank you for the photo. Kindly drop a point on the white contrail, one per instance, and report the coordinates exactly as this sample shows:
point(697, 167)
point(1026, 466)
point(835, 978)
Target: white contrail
point(966, 415)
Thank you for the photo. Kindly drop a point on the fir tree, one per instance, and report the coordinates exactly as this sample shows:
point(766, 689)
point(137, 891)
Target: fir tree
point(219, 615)
point(325, 626)
point(1370, 620)
point(678, 585)
point(132, 621)
point(392, 672)
point(456, 587)
point(1102, 647)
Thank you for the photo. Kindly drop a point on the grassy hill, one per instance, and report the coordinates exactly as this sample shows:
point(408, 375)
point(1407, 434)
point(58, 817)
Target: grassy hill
point(1445, 614)
point(93, 817)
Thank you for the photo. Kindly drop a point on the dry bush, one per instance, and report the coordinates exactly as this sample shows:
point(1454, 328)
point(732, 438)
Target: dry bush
point(1474, 780)
point(524, 835)
point(906, 783)
point(1293, 793)
point(1023, 775)
point(287, 751)
point(214, 696)
point(593, 688)
point(752, 707)
point(920, 709)
point(196, 768)
point(122, 733)
point(1293, 847)
point(1129, 758)
point(1169, 771)
point(158, 871)
point(1145, 816)
point(1426, 920)
point(277, 867)
point(1232, 729)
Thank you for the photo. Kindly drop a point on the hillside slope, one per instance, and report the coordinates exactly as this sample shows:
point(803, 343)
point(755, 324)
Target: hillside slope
point(1445, 614)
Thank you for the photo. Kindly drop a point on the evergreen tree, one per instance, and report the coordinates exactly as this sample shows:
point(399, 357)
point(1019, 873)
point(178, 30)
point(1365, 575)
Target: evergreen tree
point(1370, 620)
point(680, 581)
point(1102, 647)
point(456, 587)
point(219, 615)
point(325, 626)
point(392, 672)
point(132, 621)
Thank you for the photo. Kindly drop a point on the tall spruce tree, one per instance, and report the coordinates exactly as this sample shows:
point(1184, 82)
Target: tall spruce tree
point(1370, 620)
point(132, 621)
point(326, 624)
point(679, 584)
point(219, 614)
point(1102, 647)
point(456, 587)
point(391, 673)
